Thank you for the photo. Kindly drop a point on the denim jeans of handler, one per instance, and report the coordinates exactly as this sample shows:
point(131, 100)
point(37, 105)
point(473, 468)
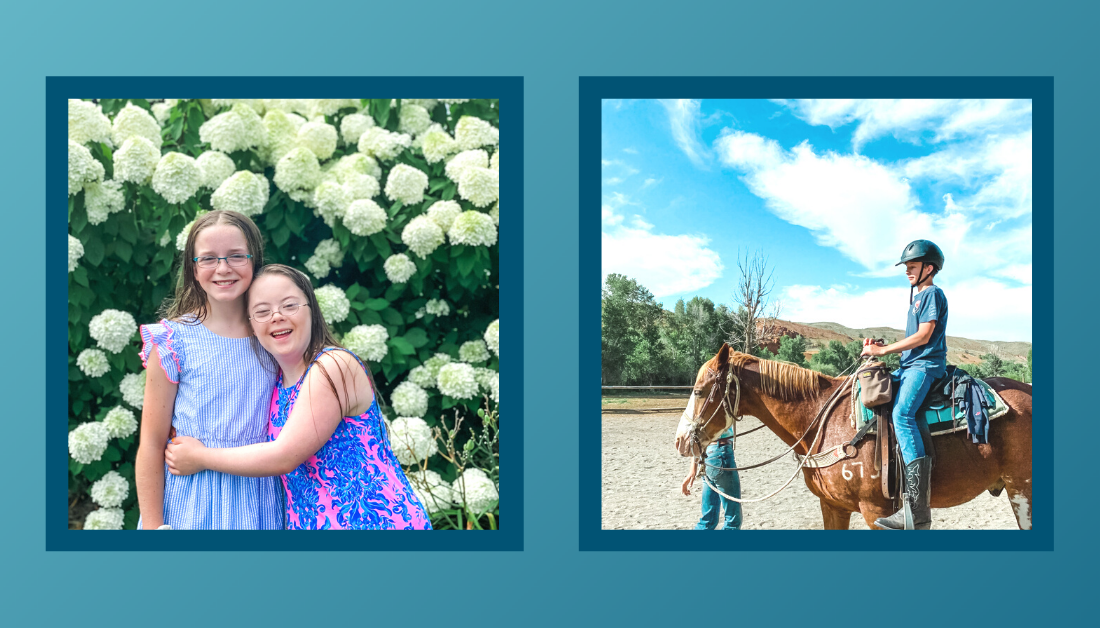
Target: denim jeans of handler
point(728, 483)
point(912, 390)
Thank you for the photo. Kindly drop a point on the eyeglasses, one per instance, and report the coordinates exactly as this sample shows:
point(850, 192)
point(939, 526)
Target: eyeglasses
point(264, 314)
point(237, 260)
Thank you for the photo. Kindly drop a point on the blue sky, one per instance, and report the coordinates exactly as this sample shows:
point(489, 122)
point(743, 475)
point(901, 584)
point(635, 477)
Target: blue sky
point(831, 191)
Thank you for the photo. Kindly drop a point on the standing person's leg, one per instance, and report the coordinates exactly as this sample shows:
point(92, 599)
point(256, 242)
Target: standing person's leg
point(730, 484)
point(711, 500)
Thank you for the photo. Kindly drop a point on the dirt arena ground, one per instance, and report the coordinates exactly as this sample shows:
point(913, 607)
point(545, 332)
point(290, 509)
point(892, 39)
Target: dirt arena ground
point(642, 474)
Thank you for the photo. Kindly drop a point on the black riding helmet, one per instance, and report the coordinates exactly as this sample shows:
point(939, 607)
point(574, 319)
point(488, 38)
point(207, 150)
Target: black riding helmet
point(924, 251)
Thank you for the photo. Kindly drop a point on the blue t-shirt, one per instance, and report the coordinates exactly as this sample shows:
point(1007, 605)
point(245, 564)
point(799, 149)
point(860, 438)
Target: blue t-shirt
point(928, 305)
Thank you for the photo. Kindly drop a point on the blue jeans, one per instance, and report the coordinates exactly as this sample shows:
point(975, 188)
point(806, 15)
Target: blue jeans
point(913, 388)
point(728, 483)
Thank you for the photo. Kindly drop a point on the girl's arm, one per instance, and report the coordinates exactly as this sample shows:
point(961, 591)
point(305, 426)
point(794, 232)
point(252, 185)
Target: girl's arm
point(156, 421)
point(316, 415)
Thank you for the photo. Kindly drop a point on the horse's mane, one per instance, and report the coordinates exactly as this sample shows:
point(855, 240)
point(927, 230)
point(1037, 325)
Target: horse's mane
point(777, 379)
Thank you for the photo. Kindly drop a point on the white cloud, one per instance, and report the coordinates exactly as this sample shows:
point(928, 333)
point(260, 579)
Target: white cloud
point(979, 308)
point(605, 163)
point(651, 182)
point(684, 118)
point(613, 181)
point(665, 264)
point(630, 151)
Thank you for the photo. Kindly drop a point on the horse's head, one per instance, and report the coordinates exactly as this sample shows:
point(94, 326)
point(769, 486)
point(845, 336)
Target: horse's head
point(708, 412)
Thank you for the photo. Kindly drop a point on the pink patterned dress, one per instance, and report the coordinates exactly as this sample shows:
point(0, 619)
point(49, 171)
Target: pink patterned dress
point(354, 482)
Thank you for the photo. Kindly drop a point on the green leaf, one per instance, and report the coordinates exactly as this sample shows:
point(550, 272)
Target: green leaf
point(75, 467)
point(127, 229)
point(377, 304)
point(448, 402)
point(402, 346)
point(417, 337)
point(353, 291)
point(394, 291)
point(80, 276)
point(396, 207)
point(112, 454)
point(280, 236)
point(448, 192)
point(292, 221)
point(93, 250)
point(74, 374)
point(381, 245)
point(123, 250)
point(392, 316)
point(370, 317)
point(466, 263)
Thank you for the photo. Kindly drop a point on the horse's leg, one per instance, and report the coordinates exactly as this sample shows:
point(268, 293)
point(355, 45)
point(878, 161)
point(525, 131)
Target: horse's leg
point(835, 518)
point(871, 512)
point(1019, 495)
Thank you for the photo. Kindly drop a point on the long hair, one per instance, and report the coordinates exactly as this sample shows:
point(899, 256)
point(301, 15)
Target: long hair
point(320, 337)
point(190, 298)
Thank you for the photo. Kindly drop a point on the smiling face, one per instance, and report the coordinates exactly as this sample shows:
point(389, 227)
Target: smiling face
point(284, 336)
point(222, 283)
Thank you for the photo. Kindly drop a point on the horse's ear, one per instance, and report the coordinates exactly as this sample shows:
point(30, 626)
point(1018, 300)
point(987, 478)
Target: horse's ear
point(723, 355)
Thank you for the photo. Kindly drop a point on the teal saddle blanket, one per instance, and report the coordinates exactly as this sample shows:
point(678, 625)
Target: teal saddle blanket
point(939, 411)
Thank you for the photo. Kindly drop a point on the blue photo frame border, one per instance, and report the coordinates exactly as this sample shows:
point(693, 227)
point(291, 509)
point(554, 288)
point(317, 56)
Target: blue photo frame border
point(595, 89)
point(58, 536)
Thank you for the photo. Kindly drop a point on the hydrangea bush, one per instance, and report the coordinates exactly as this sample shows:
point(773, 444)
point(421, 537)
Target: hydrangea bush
point(391, 208)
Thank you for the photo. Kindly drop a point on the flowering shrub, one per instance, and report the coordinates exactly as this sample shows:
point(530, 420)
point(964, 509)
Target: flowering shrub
point(391, 205)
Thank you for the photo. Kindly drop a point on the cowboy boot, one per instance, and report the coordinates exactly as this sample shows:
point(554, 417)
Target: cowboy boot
point(918, 482)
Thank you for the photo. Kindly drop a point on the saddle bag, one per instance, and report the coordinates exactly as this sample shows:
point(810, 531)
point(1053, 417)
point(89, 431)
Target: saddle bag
point(876, 388)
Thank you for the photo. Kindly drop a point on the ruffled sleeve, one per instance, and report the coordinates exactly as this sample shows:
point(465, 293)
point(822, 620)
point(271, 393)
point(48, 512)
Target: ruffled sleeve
point(161, 335)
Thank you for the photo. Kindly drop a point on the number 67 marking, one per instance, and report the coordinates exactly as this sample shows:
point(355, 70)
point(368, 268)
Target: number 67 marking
point(848, 475)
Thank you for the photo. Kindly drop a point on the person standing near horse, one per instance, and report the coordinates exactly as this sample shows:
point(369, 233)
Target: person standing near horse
point(923, 360)
point(720, 472)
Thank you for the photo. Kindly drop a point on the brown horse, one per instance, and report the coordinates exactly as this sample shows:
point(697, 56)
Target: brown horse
point(787, 398)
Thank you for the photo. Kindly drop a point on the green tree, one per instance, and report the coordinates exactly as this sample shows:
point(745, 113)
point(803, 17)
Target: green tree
point(836, 357)
point(631, 336)
point(792, 350)
point(1029, 365)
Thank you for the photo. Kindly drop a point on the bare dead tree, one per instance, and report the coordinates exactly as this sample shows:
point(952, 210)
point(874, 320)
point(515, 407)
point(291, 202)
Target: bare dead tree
point(753, 321)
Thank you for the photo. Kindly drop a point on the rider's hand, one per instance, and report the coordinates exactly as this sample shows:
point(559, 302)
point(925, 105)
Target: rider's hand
point(688, 482)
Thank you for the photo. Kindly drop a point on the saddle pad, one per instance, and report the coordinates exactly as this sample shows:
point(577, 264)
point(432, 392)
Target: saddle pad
point(939, 418)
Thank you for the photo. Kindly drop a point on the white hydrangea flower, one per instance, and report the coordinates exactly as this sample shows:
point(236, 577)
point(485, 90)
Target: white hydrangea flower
point(422, 236)
point(408, 399)
point(332, 201)
point(255, 103)
point(282, 135)
point(412, 440)
point(435, 363)
point(326, 256)
point(437, 145)
point(120, 422)
point(88, 442)
point(286, 105)
point(162, 111)
point(110, 490)
point(298, 170)
point(334, 303)
point(466, 159)
point(177, 177)
point(87, 123)
point(368, 342)
point(492, 337)
point(93, 363)
point(476, 489)
point(406, 184)
point(244, 192)
point(216, 168)
point(474, 229)
point(365, 217)
point(103, 199)
point(76, 251)
point(318, 266)
point(413, 119)
point(165, 239)
point(438, 307)
point(471, 132)
point(240, 128)
point(112, 329)
point(329, 106)
point(399, 268)
point(136, 161)
point(494, 213)
point(132, 388)
point(494, 386)
point(480, 186)
point(82, 167)
point(494, 161)
point(361, 186)
point(426, 103)
point(319, 138)
point(418, 140)
point(432, 490)
point(484, 377)
point(104, 519)
point(457, 380)
point(380, 143)
point(443, 213)
point(473, 351)
point(453, 101)
point(353, 164)
point(133, 121)
point(181, 238)
point(353, 126)
point(422, 376)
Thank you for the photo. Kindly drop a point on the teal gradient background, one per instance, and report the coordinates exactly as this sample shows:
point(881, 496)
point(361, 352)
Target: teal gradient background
point(550, 45)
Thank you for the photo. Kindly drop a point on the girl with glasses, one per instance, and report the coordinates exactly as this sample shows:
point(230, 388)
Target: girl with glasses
point(326, 433)
point(207, 378)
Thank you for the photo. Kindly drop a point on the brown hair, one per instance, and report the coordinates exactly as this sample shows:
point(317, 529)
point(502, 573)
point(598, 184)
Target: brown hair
point(320, 337)
point(190, 298)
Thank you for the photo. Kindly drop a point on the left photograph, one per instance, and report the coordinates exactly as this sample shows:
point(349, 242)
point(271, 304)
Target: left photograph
point(283, 314)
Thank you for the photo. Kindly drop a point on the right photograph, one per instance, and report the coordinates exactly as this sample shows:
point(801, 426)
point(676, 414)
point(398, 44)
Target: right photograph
point(815, 314)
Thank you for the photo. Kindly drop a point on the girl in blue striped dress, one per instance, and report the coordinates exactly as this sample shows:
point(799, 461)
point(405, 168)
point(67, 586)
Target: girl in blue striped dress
point(208, 378)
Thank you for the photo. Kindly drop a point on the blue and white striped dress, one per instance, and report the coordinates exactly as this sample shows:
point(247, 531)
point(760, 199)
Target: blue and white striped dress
point(223, 400)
